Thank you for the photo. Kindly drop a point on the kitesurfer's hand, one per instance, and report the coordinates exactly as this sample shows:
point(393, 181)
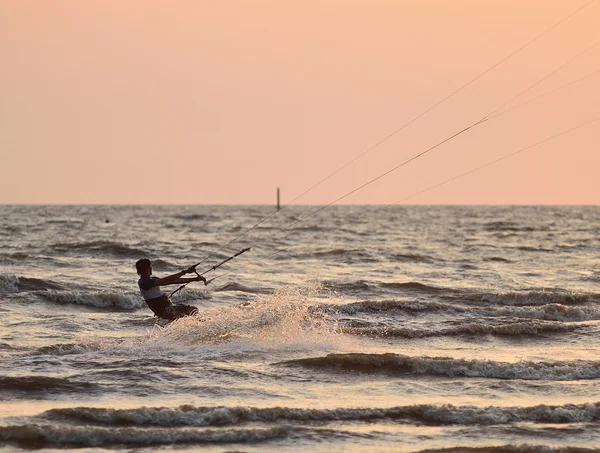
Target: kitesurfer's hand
point(190, 270)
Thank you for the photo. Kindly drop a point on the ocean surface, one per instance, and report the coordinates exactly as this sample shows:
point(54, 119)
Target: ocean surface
point(358, 329)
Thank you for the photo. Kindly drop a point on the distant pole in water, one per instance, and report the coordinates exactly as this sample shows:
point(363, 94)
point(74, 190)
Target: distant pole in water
point(278, 206)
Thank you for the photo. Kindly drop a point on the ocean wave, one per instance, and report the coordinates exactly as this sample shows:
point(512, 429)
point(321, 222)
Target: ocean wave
point(548, 312)
point(99, 299)
point(413, 258)
point(524, 448)
point(336, 252)
point(65, 220)
point(498, 259)
point(347, 287)
point(14, 284)
point(447, 366)
point(507, 226)
point(595, 277)
point(39, 436)
point(161, 265)
point(37, 384)
point(528, 248)
point(62, 349)
point(467, 328)
point(413, 286)
point(309, 228)
point(233, 286)
point(19, 256)
point(193, 217)
point(536, 298)
point(365, 286)
point(9, 284)
point(374, 306)
point(100, 247)
point(188, 415)
point(347, 255)
point(191, 294)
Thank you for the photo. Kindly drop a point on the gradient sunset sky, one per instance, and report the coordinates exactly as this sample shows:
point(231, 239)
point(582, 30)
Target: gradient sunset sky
point(199, 102)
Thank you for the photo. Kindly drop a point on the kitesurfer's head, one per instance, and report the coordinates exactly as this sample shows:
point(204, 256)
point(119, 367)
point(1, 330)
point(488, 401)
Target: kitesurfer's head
point(143, 266)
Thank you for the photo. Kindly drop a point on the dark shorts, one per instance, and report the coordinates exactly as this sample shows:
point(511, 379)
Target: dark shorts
point(173, 312)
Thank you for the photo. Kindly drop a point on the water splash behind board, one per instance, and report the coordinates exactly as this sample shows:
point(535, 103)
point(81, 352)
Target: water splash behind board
point(277, 320)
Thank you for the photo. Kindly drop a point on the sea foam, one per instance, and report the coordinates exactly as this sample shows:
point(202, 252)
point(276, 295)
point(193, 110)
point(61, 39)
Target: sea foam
point(447, 414)
point(448, 366)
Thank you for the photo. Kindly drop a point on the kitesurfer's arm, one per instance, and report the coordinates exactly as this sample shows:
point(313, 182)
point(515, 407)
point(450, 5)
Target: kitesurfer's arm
point(176, 279)
point(180, 281)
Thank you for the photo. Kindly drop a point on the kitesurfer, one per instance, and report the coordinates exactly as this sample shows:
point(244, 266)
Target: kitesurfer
point(158, 301)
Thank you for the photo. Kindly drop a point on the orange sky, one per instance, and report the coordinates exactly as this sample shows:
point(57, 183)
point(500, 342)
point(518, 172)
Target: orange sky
point(200, 102)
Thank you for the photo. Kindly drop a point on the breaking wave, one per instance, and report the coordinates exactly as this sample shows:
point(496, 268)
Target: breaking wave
point(162, 265)
point(528, 248)
point(498, 259)
point(397, 305)
point(525, 448)
point(100, 247)
point(193, 216)
point(233, 286)
point(548, 312)
point(99, 299)
point(467, 328)
point(595, 277)
point(448, 414)
point(506, 226)
point(65, 220)
point(190, 294)
point(363, 286)
point(348, 256)
point(447, 366)
point(413, 286)
point(38, 436)
point(350, 287)
point(315, 228)
point(413, 258)
point(62, 349)
point(42, 384)
point(537, 298)
point(14, 284)
point(337, 252)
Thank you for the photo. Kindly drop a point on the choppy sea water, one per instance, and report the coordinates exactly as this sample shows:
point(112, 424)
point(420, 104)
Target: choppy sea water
point(397, 329)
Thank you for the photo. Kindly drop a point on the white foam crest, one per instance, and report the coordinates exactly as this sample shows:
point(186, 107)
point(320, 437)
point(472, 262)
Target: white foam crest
point(86, 343)
point(535, 298)
point(9, 284)
point(534, 327)
point(188, 415)
point(100, 299)
point(50, 435)
point(471, 415)
point(527, 370)
point(549, 312)
point(448, 366)
point(190, 294)
point(399, 305)
point(510, 448)
point(283, 318)
point(63, 349)
point(595, 277)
